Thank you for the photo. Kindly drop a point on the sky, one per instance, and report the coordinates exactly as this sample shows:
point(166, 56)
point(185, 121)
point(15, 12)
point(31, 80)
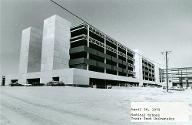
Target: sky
point(150, 26)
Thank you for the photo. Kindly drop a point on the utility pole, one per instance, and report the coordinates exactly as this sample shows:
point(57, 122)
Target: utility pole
point(167, 77)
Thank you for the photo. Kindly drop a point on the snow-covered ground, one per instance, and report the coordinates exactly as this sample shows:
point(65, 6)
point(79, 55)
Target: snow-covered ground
point(79, 106)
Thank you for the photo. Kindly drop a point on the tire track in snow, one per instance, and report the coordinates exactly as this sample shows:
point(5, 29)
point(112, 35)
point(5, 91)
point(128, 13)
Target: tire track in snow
point(62, 111)
point(4, 120)
point(36, 119)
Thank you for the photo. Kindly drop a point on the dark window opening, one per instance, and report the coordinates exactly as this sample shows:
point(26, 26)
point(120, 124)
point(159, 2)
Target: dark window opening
point(130, 68)
point(130, 61)
point(95, 57)
point(111, 71)
point(105, 83)
point(35, 81)
point(121, 58)
point(79, 43)
point(130, 75)
point(130, 54)
point(96, 47)
point(122, 74)
point(79, 32)
point(79, 66)
point(96, 69)
point(121, 50)
point(14, 80)
point(97, 37)
point(78, 55)
point(111, 53)
point(55, 78)
point(110, 62)
point(122, 66)
point(3, 81)
point(80, 26)
point(111, 44)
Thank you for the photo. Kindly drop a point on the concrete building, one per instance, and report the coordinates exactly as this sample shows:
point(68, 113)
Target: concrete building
point(80, 55)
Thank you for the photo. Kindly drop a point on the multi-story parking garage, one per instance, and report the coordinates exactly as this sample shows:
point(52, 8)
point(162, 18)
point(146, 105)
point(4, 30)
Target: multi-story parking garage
point(93, 50)
point(80, 55)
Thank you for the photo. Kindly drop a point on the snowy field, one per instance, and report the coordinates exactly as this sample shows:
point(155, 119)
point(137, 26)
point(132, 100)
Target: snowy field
point(79, 106)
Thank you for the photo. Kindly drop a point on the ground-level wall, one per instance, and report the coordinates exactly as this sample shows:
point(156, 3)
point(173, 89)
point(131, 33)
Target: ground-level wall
point(73, 76)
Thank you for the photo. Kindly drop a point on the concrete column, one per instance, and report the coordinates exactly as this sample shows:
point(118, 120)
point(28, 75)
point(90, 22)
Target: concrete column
point(87, 44)
point(105, 51)
point(117, 61)
point(126, 61)
point(157, 74)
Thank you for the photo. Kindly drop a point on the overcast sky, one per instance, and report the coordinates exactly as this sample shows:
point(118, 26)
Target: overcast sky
point(151, 26)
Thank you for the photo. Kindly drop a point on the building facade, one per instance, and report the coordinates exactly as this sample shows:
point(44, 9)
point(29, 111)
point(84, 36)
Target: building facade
point(80, 55)
point(180, 77)
point(95, 51)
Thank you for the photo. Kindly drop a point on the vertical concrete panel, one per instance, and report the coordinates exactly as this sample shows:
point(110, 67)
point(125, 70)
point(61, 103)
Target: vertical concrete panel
point(30, 53)
point(157, 76)
point(55, 46)
point(66, 76)
point(62, 43)
point(24, 51)
point(7, 80)
point(48, 44)
point(47, 49)
point(34, 55)
point(82, 76)
point(138, 69)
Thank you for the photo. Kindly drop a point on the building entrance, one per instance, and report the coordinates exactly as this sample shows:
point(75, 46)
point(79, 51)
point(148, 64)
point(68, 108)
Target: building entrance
point(34, 81)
